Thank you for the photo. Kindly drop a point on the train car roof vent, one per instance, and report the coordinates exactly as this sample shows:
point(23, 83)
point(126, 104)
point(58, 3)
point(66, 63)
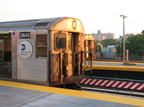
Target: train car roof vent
point(41, 24)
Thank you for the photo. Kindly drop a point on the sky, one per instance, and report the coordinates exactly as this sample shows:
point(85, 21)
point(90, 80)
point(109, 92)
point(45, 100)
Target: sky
point(95, 15)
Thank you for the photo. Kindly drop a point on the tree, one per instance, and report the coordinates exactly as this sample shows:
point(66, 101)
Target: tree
point(142, 32)
point(99, 48)
point(119, 47)
point(135, 44)
point(107, 42)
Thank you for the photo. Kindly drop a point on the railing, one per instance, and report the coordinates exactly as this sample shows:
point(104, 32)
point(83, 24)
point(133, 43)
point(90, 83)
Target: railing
point(119, 57)
point(112, 84)
point(115, 79)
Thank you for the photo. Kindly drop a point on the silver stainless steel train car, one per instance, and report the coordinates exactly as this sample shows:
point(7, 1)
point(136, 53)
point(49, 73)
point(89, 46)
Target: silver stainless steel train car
point(43, 50)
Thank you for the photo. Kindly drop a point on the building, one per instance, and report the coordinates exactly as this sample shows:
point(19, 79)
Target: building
point(126, 36)
point(101, 36)
point(109, 51)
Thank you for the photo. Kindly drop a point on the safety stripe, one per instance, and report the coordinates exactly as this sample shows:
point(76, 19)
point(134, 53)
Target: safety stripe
point(121, 84)
point(87, 81)
point(133, 87)
point(97, 83)
point(93, 82)
point(103, 84)
point(109, 83)
point(114, 84)
point(83, 80)
point(141, 87)
point(128, 85)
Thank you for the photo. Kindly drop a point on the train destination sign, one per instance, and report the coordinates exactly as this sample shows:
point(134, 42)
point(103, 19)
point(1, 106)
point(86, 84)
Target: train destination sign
point(25, 35)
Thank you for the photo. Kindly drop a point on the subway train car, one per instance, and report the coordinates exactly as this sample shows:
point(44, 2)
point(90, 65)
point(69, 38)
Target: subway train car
point(48, 51)
point(90, 47)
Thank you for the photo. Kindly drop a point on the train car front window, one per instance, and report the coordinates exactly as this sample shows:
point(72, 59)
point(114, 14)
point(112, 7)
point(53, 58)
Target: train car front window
point(60, 41)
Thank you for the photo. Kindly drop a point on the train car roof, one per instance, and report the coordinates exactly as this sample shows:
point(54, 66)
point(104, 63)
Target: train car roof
point(30, 24)
point(89, 37)
point(27, 24)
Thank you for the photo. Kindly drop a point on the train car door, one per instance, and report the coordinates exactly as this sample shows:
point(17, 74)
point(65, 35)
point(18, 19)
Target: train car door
point(74, 54)
point(66, 57)
point(70, 54)
point(5, 54)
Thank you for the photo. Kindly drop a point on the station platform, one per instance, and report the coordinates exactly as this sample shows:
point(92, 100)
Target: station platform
point(104, 65)
point(14, 94)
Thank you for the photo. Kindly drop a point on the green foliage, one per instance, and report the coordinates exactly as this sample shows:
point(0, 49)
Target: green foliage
point(107, 42)
point(142, 33)
point(135, 45)
point(99, 48)
point(119, 47)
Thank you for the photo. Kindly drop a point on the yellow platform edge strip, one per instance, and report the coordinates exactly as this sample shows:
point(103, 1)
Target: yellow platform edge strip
point(122, 68)
point(89, 95)
point(119, 62)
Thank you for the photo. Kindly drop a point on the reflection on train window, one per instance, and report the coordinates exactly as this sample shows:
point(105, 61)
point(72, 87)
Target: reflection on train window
point(60, 41)
point(42, 45)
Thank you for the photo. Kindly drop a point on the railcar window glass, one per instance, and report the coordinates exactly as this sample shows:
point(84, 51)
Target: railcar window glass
point(0, 49)
point(42, 45)
point(0, 45)
point(60, 41)
point(69, 41)
point(89, 43)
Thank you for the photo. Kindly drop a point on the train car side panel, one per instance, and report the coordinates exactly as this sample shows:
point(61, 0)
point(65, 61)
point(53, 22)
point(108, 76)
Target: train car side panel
point(31, 68)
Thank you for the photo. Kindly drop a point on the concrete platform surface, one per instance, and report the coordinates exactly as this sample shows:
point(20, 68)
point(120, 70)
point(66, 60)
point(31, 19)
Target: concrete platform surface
point(13, 94)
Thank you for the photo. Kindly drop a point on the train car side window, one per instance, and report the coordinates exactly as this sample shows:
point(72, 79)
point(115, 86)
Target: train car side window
point(42, 45)
point(1, 49)
point(60, 41)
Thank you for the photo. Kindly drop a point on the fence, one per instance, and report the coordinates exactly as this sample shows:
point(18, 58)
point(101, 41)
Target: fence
point(119, 57)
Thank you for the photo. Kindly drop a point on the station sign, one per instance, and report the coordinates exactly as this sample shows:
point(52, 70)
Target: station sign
point(25, 49)
point(24, 35)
